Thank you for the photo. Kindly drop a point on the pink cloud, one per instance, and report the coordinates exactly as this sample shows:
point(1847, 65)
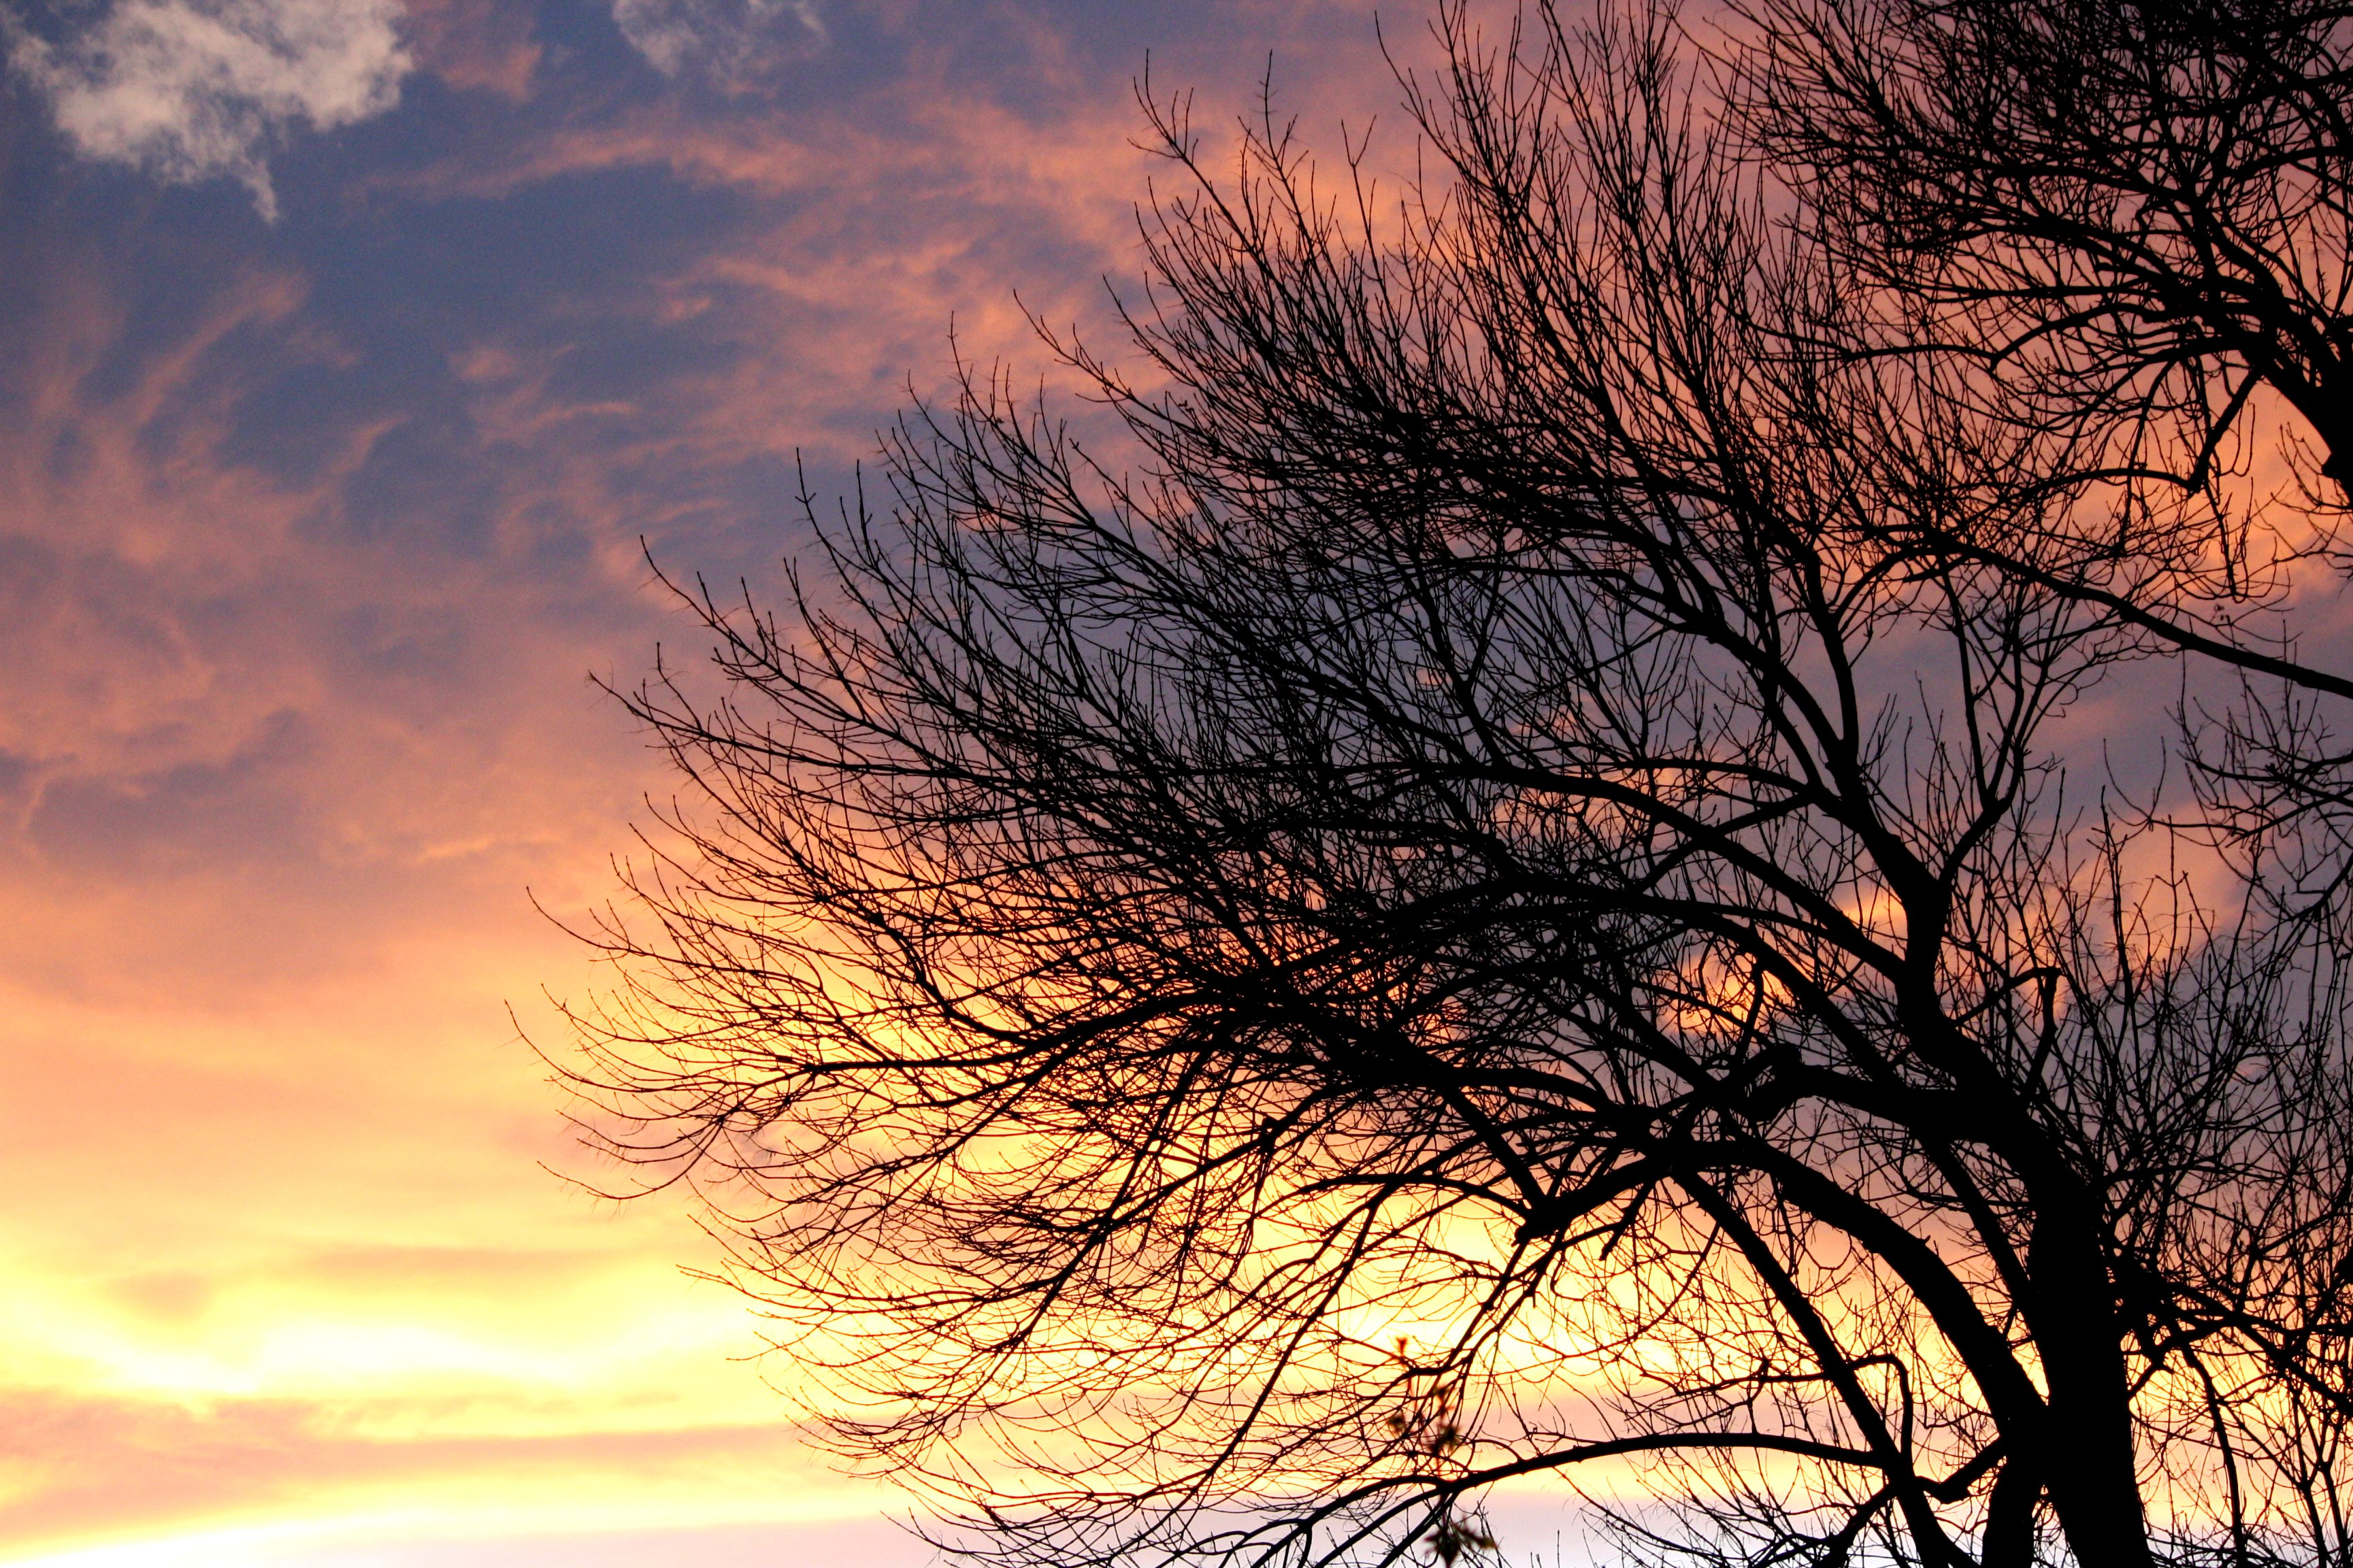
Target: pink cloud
point(69, 1456)
point(302, 565)
point(482, 45)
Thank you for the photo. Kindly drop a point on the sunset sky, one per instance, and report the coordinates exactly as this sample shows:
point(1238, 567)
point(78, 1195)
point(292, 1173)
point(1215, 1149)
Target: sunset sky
point(350, 347)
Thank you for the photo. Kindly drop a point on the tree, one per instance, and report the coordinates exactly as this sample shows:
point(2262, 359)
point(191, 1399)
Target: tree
point(1501, 890)
point(2133, 224)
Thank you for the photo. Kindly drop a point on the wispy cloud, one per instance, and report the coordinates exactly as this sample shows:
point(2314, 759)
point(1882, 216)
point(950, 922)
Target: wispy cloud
point(229, 1461)
point(727, 41)
point(196, 89)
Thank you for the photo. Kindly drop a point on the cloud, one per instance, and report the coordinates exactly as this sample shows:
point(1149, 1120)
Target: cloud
point(726, 41)
point(196, 89)
point(365, 1543)
point(65, 1457)
point(485, 45)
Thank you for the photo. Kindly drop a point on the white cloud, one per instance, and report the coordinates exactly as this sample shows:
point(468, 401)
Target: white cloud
point(194, 90)
point(729, 40)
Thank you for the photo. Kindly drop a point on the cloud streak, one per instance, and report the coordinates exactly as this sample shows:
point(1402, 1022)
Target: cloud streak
point(245, 1457)
point(731, 42)
point(188, 91)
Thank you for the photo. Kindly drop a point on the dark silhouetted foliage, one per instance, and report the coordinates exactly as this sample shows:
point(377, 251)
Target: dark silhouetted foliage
point(1523, 880)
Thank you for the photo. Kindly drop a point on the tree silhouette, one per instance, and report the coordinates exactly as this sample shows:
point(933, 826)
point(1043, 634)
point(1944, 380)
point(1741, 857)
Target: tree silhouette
point(1496, 886)
point(2132, 226)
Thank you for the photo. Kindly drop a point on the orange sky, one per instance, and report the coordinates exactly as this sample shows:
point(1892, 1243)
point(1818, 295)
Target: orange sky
point(332, 421)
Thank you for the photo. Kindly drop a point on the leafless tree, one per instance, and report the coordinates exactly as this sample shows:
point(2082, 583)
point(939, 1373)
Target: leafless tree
point(2132, 224)
point(1520, 885)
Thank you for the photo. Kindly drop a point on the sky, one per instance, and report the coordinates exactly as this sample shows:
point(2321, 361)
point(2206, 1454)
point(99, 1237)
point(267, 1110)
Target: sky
point(352, 352)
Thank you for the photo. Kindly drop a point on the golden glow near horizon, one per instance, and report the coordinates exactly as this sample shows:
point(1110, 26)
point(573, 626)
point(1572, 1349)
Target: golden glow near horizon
point(297, 1271)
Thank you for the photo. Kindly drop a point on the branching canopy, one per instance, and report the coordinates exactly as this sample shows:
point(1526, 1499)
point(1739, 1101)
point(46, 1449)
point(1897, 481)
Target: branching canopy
point(1516, 879)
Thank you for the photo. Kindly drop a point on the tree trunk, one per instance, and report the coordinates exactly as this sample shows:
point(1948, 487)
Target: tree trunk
point(2086, 1462)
